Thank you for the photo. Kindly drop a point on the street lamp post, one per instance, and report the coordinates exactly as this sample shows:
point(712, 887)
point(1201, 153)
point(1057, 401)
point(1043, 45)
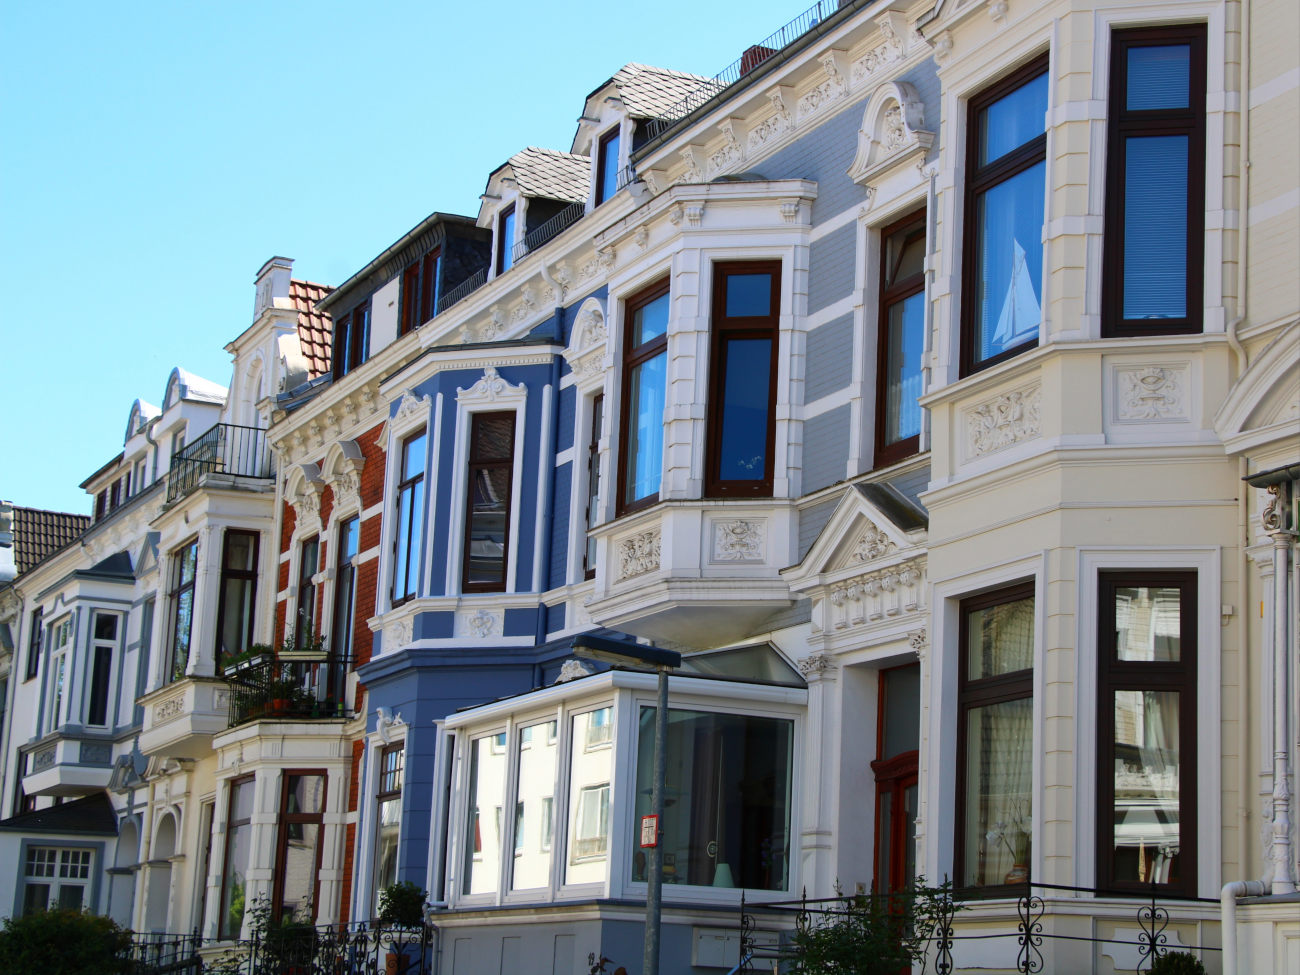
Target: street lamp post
point(624, 652)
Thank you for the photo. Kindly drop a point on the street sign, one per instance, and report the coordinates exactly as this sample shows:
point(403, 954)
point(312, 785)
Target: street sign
point(649, 831)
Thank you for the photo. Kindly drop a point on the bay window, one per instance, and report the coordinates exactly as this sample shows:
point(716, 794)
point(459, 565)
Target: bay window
point(408, 512)
point(591, 768)
point(1006, 173)
point(181, 599)
point(1155, 191)
point(901, 338)
point(742, 383)
point(484, 561)
point(995, 738)
point(61, 637)
point(238, 593)
point(645, 381)
point(1146, 788)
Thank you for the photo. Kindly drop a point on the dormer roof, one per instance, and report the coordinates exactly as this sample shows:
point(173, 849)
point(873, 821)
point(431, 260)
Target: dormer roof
point(648, 92)
point(314, 327)
point(549, 174)
point(195, 389)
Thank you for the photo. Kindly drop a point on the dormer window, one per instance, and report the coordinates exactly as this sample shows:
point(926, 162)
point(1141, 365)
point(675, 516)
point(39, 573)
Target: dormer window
point(420, 291)
point(352, 339)
point(506, 239)
point(607, 166)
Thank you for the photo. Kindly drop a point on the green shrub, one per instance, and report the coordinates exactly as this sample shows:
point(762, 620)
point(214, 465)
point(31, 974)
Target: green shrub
point(402, 904)
point(64, 942)
point(1177, 963)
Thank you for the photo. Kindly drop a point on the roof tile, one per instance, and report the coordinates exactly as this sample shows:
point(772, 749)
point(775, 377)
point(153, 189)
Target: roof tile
point(39, 533)
point(552, 175)
point(314, 328)
point(650, 92)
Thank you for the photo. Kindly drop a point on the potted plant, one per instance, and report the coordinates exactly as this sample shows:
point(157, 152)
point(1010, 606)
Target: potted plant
point(254, 655)
point(402, 904)
point(311, 650)
point(282, 695)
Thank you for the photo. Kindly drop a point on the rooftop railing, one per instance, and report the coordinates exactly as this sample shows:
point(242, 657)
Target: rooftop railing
point(562, 221)
point(463, 290)
point(223, 449)
point(754, 56)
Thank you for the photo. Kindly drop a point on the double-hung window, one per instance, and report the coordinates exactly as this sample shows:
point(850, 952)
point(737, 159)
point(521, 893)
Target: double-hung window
point(1146, 787)
point(181, 597)
point(345, 587)
point(238, 856)
point(506, 239)
point(645, 379)
point(901, 332)
point(304, 623)
point(103, 647)
point(487, 515)
point(297, 857)
point(60, 676)
point(409, 514)
point(388, 802)
point(1155, 192)
point(351, 339)
point(593, 485)
point(238, 594)
point(607, 166)
point(742, 401)
point(995, 738)
point(1006, 166)
point(34, 643)
point(420, 282)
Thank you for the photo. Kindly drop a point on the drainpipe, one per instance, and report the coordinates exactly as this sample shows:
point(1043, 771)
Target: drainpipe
point(1228, 917)
point(1275, 523)
point(931, 247)
point(1243, 191)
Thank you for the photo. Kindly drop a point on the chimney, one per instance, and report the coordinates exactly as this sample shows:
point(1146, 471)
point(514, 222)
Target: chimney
point(272, 283)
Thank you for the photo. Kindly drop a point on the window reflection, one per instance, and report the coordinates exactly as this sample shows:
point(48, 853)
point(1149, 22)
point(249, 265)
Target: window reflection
point(590, 768)
point(534, 789)
point(487, 782)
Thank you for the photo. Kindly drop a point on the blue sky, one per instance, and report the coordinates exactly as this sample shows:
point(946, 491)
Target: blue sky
point(154, 155)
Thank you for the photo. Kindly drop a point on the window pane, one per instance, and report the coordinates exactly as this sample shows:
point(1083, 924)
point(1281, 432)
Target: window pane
point(1155, 226)
point(506, 245)
point(237, 624)
point(650, 321)
point(749, 295)
point(902, 710)
point(903, 368)
point(493, 437)
point(306, 794)
point(299, 877)
point(413, 457)
point(1013, 120)
point(1158, 77)
point(1148, 623)
point(727, 801)
point(105, 627)
point(905, 255)
point(390, 826)
point(234, 889)
point(999, 739)
point(645, 449)
point(590, 764)
point(1147, 836)
point(1000, 639)
point(241, 806)
point(609, 168)
point(1009, 260)
point(746, 379)
point(97, 712)
point(240, 548)
point(489, 511)
point(487, 782)
point(36, 897)
point(534, 788)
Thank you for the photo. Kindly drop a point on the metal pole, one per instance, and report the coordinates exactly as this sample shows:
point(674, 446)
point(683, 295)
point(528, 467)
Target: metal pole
point(654, 888)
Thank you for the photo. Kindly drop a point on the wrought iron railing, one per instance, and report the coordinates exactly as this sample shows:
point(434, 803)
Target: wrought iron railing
point(164, 954)
point(223, 449)
point(754, 56)
point(538, 236)
point(308, 686)
point(463, 290)
point(943, 941)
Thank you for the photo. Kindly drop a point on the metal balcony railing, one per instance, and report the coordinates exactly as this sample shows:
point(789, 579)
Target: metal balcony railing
point(223, 449)
point(552, 228)
point(754, 55)
point(463, 290)
point(304, 688)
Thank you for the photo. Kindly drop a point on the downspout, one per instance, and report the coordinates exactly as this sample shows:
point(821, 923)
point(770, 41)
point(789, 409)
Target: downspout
point(1243, 191)
point(542, 559)
point(1275, 523)
point(1228, 917)
point(930, 241)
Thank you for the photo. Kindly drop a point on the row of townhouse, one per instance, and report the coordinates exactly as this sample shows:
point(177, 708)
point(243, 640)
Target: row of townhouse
point(929, 379)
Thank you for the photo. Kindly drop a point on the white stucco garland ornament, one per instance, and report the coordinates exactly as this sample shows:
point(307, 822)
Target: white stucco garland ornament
point(572, 669)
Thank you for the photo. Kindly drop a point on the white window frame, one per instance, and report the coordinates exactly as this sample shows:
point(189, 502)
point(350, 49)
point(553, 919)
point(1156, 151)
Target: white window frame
point(59, 696)
point(409, 413)
point(94, 643)
point(60, 862)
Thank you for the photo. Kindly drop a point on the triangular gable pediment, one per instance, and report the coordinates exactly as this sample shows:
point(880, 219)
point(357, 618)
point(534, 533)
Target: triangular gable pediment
point(858, 536)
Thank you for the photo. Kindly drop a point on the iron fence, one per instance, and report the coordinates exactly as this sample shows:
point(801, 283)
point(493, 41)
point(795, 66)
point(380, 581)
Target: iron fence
point(222, 449)
point(165, 954)
point(538, 236)
point(463, 290)
point(311, 687)
point(753, 56)
point(943, 941)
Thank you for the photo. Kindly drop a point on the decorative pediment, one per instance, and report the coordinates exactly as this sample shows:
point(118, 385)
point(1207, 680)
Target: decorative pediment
point(492, 388)
point(858, 537)
point(892, 132)
point(303, 490)
point(146, 555)
point(586, 353)
point(343, 463)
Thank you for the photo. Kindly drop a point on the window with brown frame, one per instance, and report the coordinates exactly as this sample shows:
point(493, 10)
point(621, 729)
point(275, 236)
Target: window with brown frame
point(506, 239)
point(345, 588)
point(1155, 182)
point(995, 738)
point(409, 515)
point(1006, 185)
point(484, 564)
point(645, 386)
point(420, 282)
point(34, 643)
point(388, 802)
point(593, 484)
point(351, 339)
point(898, 732)
point(901, 338)
point(238, 855)
point(304, 624)
point(742, 384)
point(181, 600)
point(607, 166)
point(237, 597)
point(298, 845)
point(1146, 701)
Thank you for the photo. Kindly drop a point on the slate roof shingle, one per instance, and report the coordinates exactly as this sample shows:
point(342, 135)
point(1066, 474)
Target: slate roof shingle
point(93, 814)
point(39, 533)
point(315, 328)
point(551, 175)
point(650, 92)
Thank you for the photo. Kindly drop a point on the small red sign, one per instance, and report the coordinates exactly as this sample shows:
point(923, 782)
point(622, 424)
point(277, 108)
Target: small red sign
point(649, 831)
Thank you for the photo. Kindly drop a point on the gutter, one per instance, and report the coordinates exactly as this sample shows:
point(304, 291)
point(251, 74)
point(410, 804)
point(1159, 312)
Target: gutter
point(1228, 917)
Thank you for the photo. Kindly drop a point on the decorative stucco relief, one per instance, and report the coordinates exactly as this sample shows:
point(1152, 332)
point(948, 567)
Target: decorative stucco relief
point(397, 634)
point(775, 125)
point(872, 544)
point(831, 89)
point(169, 709)
point(738, 540)
point(482, 624)
point(572, 669)
point(1003, 421)
point(875, 596)
point(1147, 393)
point(638, 554)
point(816, 665)
point(410, 407)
